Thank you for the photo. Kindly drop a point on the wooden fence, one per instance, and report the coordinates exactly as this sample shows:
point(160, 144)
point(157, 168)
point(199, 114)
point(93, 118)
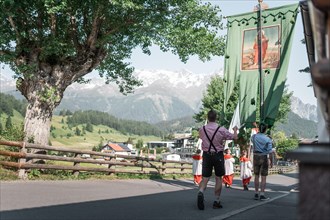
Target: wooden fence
point(99, 162)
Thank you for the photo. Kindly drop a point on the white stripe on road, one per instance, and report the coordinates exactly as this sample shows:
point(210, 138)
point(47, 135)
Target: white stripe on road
point(237, 211)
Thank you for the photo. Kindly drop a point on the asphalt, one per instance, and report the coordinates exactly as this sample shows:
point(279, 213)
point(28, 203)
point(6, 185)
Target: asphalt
point(144, 199)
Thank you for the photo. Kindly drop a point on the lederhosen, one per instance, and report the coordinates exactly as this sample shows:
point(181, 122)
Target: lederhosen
point(213, 159)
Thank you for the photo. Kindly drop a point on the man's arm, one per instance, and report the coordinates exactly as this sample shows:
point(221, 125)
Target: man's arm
point(270, 152)
point(235, 132)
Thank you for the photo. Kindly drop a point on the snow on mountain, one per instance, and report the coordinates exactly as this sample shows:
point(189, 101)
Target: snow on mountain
point(306, 111)
point(164, 95)
point(183, 78)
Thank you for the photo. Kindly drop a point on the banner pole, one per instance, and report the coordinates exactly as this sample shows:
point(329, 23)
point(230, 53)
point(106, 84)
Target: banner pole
point(261, 78)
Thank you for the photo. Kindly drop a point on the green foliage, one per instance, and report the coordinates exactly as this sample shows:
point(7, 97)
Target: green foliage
point(9, 125)
point(89, 127)
point(214, 99)
point(101, 118)
point(285, 145)
point(302, 128)
point(78, 131)
point(139, 144)
point(160, 150)
point(9, 103)
point(33, 174)
point(6, 174)
point(51, 44)
point(99, 146)
point(285, 107)
point(14, 133)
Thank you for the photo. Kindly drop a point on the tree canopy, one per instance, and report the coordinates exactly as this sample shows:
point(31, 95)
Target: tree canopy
point(213, 98)
point(52, 43)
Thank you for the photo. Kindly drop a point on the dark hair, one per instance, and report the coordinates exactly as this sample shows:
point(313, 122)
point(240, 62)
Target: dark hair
point(262, 127)
point(198, 151)
point(226, 150)
point(212, 116)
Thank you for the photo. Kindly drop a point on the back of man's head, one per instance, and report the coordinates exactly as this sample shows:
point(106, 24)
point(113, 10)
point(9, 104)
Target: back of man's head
point(262, 127)
point(212, 116)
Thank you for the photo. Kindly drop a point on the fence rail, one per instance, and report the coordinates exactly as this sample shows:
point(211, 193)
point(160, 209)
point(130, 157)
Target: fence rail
point(101, 162)
point(114, 163)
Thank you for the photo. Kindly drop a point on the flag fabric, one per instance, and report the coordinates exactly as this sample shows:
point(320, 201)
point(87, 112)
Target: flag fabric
point(241, 59)
point(235, 121)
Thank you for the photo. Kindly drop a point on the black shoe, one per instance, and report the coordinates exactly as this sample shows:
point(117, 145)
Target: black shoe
point(256, 196)
point(200, 201)
point(264, 198)
point(246, 188)
point(217, 205)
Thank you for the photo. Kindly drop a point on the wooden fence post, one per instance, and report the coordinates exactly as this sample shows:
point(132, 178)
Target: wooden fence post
point(163, 167)
point(111, 165)
point(76, 164)
point(22, 173)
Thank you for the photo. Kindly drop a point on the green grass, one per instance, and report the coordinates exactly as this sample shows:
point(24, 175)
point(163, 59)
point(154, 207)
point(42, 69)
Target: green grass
point(8, 174)
point(90, 139)
point(85, 142)
point(17, 119)
point(33, 174)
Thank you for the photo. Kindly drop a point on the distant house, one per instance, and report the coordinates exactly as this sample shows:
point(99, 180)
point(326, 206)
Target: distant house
point(155, 144)
point(185, 146)
point(115, 148)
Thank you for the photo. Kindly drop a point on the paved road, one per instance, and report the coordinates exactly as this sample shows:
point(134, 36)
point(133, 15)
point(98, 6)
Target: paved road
point(142, 199)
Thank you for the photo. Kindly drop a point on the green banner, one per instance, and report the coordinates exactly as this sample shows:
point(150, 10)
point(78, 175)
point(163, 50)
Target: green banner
point(241, 59)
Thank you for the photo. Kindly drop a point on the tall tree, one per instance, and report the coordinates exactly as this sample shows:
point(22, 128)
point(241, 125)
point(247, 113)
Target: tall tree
point(213, 98)
point(51, 44)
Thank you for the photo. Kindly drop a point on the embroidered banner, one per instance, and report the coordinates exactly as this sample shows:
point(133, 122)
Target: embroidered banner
point(241, 59)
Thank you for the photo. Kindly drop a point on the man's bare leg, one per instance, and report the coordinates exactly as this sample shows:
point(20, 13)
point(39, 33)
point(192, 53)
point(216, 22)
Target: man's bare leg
point(263, 184)
point(203, 184)
point(218, 186)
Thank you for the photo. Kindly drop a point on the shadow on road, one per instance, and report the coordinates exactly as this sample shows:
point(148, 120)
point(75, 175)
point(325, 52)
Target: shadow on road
point(180, 204)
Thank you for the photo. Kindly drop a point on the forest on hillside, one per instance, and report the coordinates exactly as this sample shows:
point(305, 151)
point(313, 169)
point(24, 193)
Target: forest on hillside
point(102, 118)
point(295, 125)
point(9, 103)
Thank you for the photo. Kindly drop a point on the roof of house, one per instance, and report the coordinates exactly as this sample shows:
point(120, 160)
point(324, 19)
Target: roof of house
point(115, 147)
point(124, 146)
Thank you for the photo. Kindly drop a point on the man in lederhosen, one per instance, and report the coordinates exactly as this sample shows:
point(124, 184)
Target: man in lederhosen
point(213, 138)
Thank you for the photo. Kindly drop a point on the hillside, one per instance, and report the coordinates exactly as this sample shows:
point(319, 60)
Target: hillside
point(298, 126)
point(64, 133)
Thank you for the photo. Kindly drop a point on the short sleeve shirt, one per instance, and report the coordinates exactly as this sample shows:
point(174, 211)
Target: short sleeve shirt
point(219, 139)
point(261, 143)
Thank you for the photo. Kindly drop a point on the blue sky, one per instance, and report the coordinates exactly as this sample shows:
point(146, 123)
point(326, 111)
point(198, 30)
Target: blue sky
point(296, 81)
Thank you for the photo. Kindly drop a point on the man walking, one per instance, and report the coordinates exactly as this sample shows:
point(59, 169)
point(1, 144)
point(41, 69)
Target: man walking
point(213, 138)
point(262, 149)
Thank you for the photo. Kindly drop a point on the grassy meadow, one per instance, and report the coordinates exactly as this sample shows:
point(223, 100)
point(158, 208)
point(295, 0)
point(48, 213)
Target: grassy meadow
point(64, 136)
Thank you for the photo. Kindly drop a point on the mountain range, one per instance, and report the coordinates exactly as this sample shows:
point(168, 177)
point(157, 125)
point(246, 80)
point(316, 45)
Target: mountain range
point(164, 96)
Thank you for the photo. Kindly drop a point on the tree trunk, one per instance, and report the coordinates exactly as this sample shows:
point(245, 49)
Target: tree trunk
point(37, 124)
